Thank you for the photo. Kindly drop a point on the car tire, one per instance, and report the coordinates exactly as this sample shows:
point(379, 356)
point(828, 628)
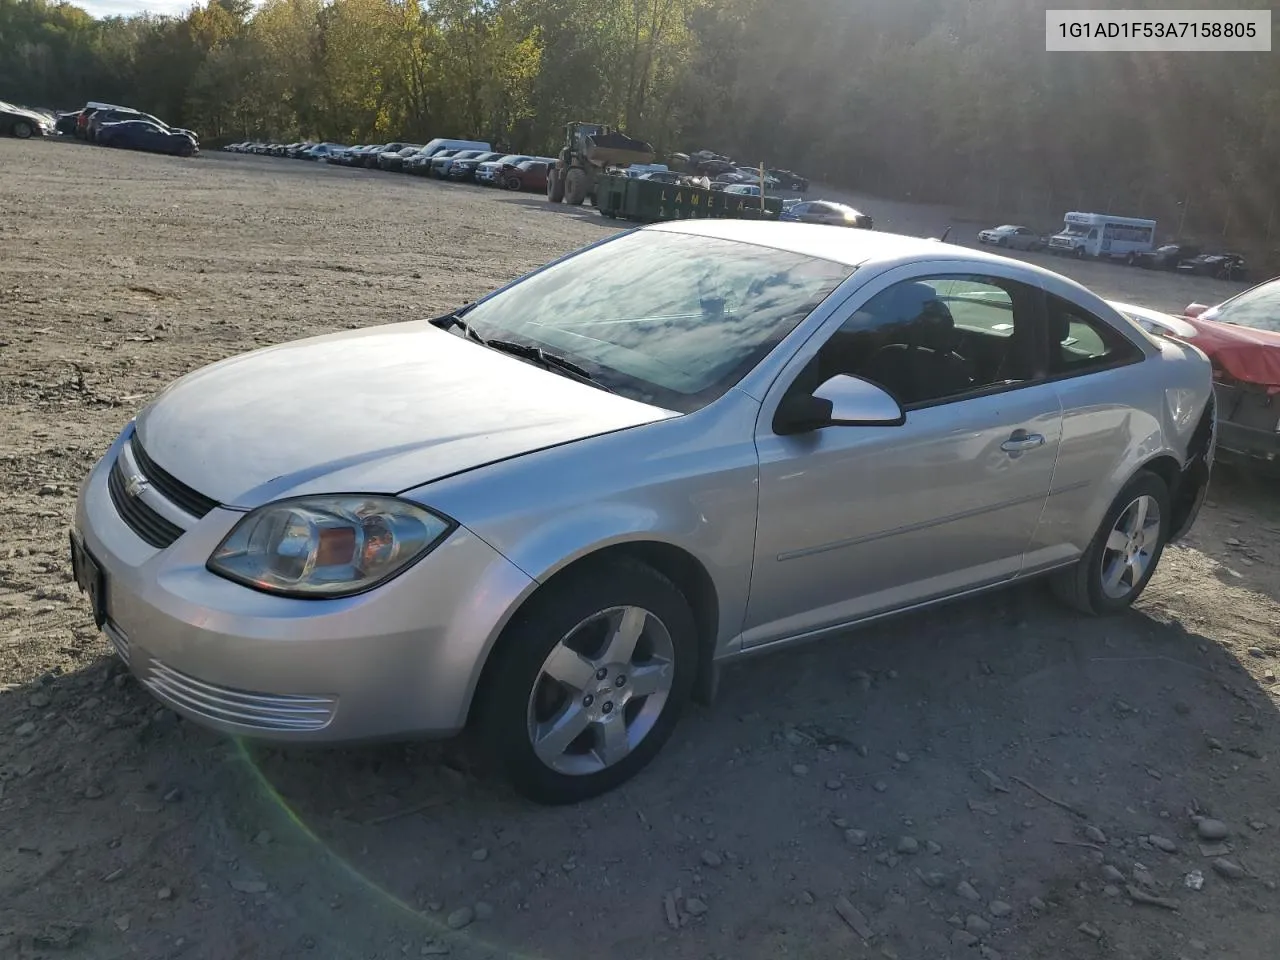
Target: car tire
point(1078, 253)
point(512, 183)
point(1131, 259)
point(23, 130)
point(519, 696)
point(1088, 586)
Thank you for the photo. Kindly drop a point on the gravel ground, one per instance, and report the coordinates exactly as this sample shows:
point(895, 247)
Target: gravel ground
point(996, 778)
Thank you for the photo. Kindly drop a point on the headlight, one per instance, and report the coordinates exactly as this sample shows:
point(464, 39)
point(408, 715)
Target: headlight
point(321, 547)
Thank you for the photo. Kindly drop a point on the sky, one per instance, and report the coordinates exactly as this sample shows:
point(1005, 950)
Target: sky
point(125, 8)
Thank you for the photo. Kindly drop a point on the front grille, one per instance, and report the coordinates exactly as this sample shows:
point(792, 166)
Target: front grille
point(172, 489)
point(141, 518)
point(254, 711)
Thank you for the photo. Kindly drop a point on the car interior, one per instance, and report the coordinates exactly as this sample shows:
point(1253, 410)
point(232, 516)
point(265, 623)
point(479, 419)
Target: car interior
point(907, 340)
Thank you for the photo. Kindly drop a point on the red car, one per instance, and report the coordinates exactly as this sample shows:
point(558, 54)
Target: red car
point(527, 175)
point(1241, 337)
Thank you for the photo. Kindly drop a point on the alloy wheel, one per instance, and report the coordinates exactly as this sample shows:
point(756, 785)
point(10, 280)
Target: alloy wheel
point(1130, 546)
point(601, 690)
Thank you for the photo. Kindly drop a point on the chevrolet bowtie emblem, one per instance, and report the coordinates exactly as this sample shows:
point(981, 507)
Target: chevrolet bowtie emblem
point(135, 485)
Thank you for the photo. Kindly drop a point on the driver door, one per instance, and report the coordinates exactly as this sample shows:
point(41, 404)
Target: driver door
point(859, 520)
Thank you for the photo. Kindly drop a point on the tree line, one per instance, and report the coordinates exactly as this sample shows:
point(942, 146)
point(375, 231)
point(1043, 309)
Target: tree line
point(935, 100)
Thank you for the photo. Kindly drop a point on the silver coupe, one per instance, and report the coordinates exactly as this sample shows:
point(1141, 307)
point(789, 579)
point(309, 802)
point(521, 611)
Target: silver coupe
point(552, 515)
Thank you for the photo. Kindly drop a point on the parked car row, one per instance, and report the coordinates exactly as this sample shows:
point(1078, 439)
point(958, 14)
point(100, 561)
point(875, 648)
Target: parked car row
point(112, 125)
point(477, 161)
point(1182, 257)
point(472, 161)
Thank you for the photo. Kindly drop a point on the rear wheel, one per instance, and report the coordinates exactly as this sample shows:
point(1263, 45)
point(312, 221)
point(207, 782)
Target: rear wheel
point(588, 682)
point(1131, 259)
point(1124, 553)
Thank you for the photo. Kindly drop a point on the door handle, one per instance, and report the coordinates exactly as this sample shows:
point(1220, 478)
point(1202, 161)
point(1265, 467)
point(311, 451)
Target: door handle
point(1021, 440)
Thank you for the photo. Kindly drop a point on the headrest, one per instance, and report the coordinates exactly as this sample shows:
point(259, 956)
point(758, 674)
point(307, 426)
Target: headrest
point(931, 322)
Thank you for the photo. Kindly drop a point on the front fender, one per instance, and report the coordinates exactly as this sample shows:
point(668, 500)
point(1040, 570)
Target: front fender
point(688, 483)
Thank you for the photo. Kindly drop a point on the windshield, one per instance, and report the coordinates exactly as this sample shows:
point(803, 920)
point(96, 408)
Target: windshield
point(665, 318)
point(1076, 230)
point(1258, 308)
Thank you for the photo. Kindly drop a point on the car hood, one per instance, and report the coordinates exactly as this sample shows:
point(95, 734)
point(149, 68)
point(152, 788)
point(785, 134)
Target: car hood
point(16, 111)
point(379, 410)
point(1244, 353)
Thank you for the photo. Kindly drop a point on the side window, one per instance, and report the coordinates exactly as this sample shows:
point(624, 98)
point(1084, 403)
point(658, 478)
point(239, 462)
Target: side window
point(1079, 342)
point(936, 339)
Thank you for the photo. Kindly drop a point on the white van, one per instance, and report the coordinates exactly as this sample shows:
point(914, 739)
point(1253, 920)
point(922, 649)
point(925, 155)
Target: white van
point(1102, 235)
point(432, 147)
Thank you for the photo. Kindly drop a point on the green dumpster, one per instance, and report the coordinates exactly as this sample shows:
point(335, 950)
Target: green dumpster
point(647, 201)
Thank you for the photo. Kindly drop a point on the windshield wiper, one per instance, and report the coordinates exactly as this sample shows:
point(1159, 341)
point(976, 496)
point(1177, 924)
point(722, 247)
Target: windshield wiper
point(548, 360)
point(454, 319)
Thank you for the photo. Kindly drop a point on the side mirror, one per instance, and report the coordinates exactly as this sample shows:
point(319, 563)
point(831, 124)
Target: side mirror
point(1195, 309)
point(859, 403)
point(842, 401)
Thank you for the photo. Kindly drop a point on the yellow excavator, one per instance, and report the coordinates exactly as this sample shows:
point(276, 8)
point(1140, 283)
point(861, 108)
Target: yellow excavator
point(590, 149)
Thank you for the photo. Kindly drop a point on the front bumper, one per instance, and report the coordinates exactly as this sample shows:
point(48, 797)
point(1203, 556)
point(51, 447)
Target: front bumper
point(402, 660)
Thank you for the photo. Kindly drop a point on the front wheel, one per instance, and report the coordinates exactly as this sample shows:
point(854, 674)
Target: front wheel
point(1078, 253)
point(22, 130)
point(1124, 553)
point(588, 682)
point(555, 186)
point(512, 183)
point(575, 186)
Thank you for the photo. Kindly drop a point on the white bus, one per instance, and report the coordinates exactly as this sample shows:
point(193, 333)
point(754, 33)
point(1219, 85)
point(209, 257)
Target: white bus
point(1102, 235)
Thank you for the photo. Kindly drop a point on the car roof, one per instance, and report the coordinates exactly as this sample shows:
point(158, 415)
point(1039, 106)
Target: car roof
point(851, 247)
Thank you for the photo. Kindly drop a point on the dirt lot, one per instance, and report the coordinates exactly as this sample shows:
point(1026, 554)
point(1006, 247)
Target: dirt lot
point(980, 781)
